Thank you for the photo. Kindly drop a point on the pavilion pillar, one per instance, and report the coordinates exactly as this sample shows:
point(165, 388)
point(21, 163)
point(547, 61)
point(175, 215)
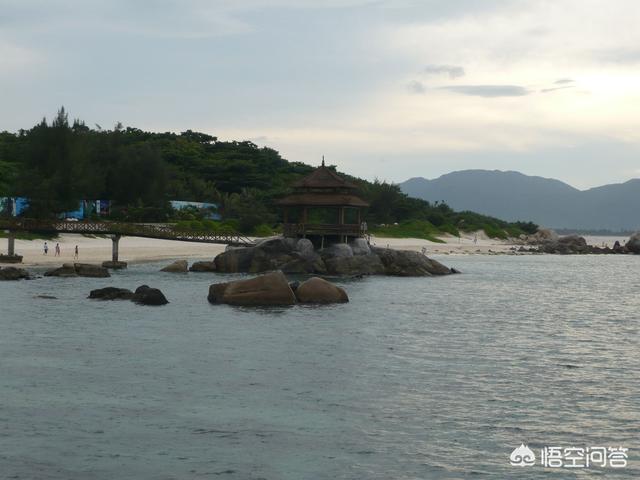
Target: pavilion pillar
point(11, 246)
point(115, 244)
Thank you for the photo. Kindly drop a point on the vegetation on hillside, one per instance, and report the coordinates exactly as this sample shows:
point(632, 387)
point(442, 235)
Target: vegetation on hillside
point(56, 164)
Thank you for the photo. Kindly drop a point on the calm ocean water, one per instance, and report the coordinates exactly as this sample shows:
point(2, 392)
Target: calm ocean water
point(416, 378)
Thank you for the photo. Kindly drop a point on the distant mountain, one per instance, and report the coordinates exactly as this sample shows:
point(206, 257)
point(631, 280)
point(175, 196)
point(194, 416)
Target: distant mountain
point(514, 196)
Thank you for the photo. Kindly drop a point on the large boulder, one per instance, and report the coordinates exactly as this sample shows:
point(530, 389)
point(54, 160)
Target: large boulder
point(145, 295)
point(570, 244)
point(269, 289)
point(13, 273)
point(67, 270)
point(235, 260)
point(356, 265)
point(633, 244)
point(305, 248)
point(543, 235)
point(179, 266)
point(89, 270)
point(406, 263)
point(337, 250)
point(275, 245)
point(302, 263)
point(266, 261)
point(111, 293)
point(318, 290)
point(203, 267)
point(359, 246)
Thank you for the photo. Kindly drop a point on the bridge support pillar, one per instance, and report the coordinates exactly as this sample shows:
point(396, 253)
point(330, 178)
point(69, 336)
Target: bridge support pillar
point(115, 243)
point(11, 238)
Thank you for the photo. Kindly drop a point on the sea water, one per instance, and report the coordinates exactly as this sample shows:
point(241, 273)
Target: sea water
point(415, 378)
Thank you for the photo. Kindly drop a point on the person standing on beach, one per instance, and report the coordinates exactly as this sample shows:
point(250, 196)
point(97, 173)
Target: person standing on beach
point(75, 253)
point(46, 248)
point(57, 250)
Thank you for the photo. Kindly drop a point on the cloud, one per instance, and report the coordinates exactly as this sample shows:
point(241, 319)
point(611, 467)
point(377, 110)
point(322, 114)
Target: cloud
point(416, 87)
point(547, 90)
point(488, 91)
point(453, 71)
point(562, 81)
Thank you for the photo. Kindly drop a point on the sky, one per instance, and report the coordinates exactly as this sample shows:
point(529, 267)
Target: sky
point(382, 89)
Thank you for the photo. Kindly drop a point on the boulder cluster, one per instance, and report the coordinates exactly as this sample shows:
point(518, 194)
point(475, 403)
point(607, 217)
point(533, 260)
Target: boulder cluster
point(298, 256)
point(547, 241)
point(13, 273)
point(143, 295)
point(78, 270)
point(273, 289)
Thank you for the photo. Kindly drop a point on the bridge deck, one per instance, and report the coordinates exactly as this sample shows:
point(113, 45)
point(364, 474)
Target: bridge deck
point(164, 232)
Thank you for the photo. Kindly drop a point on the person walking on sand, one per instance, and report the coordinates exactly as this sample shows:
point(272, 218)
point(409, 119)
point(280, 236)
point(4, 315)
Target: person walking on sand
point(75, 253)
point(57, 250)
point(45, 248)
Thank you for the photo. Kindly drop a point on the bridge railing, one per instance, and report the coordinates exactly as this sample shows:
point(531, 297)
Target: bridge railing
point(160, 231)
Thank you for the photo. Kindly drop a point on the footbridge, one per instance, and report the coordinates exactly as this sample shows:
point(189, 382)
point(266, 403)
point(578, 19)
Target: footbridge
point(116, 230)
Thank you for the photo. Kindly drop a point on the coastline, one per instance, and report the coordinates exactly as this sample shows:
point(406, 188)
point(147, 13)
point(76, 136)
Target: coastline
point(142, 250)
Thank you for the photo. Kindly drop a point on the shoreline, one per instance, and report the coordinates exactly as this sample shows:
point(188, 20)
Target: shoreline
point(136, 250)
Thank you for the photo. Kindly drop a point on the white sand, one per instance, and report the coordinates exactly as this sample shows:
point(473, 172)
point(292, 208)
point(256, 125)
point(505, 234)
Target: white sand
point(97, 250)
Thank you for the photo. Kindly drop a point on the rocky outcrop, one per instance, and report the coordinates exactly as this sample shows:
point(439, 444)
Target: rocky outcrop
point(111, 293)
point(114, 265)
point(13, 273)
point(179, 266)
point(299, 257)
point(145, 295)
point(203, 267)
point(318, 290)
point(406, 263)
point(269, 289)
point(633, 244)
point(78, 270)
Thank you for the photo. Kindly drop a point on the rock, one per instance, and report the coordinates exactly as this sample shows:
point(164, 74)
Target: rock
point(407, 263)
point(294, 286)
point(570, 244)
point(235, 260)
point(633, 244)
point(305, 248)
point(67, 270)
point(455, 270)
point(356, 265)
point(111, 293)
point(145, 295)
point(45, 297)
point(299, 263)
point(318, 290)
point(89, 270)
point(114, 265)
point(278, 244)
point(203, 267)
point(264, 261)
point(268, 289)
point(179, 266)
point(10, 258)
point(360, 246)
point(543, 235)
point(337, 250)
point(13, 273)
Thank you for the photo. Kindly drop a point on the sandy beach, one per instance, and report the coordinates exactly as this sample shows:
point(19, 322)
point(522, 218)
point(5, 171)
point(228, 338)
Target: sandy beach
point(139, 250)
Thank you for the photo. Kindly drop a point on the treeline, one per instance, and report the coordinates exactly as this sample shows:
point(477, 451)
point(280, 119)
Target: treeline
point(56, 164)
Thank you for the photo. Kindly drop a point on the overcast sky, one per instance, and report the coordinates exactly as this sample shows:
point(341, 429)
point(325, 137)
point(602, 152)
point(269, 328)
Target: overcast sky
point(387, 89)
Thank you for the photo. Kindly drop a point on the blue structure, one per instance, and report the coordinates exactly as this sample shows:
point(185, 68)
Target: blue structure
point(209, 210)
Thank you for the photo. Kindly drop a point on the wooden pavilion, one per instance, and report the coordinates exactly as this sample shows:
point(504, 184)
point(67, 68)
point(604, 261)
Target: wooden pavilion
point(323, 207)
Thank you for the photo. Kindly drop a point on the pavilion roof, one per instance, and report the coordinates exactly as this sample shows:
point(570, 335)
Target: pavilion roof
point(322, 199)
point(324, 177)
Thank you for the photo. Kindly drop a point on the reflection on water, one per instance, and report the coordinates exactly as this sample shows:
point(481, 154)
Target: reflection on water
point(415, 378)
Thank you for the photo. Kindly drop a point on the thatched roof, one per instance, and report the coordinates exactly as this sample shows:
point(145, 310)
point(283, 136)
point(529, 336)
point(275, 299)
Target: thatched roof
point(323, 177)
point(322, 199)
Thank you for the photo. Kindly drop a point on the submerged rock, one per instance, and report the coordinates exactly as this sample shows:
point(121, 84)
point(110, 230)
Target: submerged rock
point(318, 290)
point(145, 295)
point(114, 265)
point(13, 273)
point(179, 266)
point(111, 293)
point(269, 289)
